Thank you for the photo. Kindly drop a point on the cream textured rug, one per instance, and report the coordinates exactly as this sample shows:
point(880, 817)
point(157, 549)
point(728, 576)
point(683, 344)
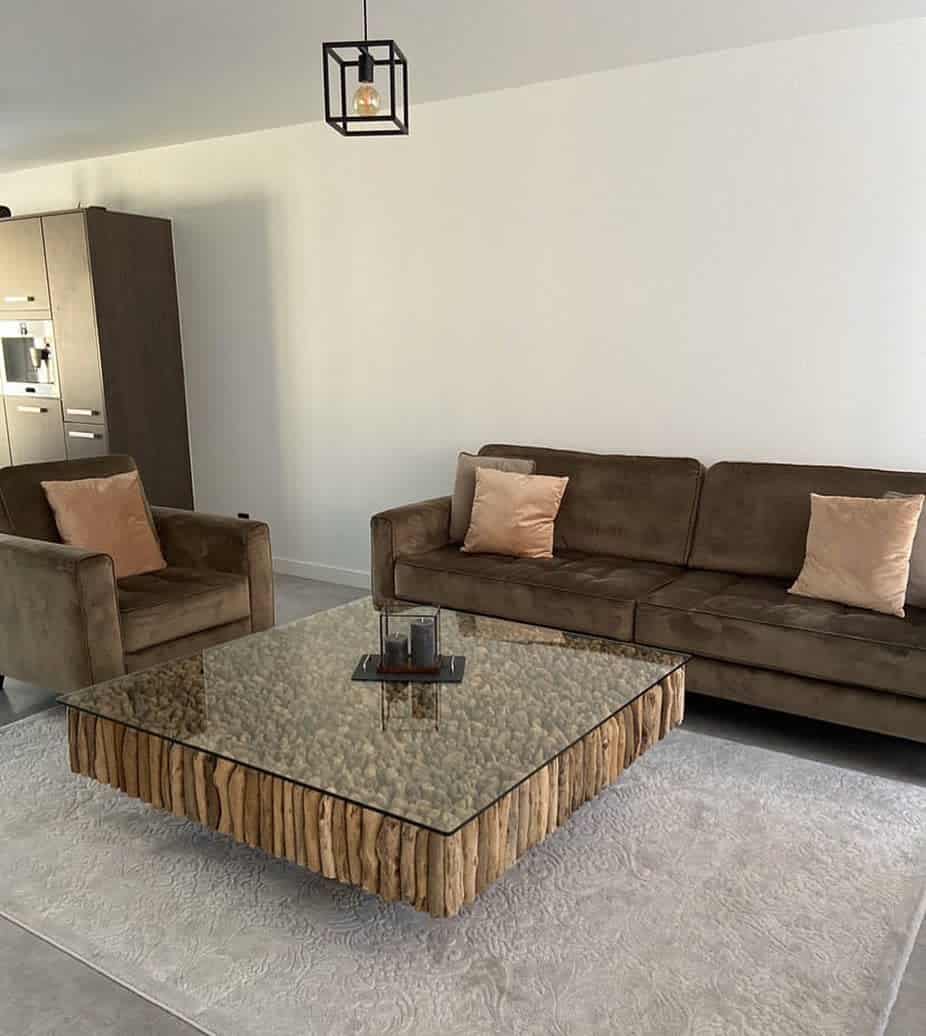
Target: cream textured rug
point(717, 889)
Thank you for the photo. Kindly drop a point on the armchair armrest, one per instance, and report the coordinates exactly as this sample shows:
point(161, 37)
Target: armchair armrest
point(193, 540)
point(59, 614)
point(412, 529)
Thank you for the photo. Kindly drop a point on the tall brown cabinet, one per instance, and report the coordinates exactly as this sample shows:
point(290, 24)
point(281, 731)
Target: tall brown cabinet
point(90, 337)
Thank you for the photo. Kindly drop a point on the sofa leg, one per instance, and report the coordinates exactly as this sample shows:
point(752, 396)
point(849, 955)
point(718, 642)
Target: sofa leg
point(2, 678)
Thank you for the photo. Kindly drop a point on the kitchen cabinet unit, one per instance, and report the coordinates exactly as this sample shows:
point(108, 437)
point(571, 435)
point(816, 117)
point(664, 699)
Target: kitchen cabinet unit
point(106, 281)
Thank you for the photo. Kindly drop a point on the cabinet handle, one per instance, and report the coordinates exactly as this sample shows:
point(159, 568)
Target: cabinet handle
point(19, 298)
point(84, 435)
point(32, 409)
point(75, 412)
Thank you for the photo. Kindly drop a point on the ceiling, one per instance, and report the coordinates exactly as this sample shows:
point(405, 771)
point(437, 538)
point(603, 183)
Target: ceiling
point(105, 76)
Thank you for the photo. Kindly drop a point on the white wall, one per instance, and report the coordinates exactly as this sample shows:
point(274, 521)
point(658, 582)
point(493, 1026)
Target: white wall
point(721, 256)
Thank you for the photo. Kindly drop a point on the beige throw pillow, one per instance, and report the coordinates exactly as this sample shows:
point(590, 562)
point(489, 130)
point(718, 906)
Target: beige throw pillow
point(858, 551)
point(513, 514)
point(107, 515)
point(464, 487)
point(916, 587)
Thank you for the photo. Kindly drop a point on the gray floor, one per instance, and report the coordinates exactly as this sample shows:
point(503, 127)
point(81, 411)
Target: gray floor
point(45, 992)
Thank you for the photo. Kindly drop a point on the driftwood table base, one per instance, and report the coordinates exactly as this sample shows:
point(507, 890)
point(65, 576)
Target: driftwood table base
point(395, 859)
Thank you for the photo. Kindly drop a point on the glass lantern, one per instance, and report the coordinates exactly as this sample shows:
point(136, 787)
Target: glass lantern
point(409, 641)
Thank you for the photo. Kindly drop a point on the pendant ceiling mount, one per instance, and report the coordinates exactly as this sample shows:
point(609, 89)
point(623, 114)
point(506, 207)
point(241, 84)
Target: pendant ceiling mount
point(366, 86)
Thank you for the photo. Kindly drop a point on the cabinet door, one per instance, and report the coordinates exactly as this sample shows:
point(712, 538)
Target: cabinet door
point(85, 440)
point(23, 286)
point(36, 429)
point(4, 438)
point(72, 310)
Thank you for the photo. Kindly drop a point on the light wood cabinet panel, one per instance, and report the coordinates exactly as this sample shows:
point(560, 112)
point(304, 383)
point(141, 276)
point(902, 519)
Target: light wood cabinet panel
point(36, 429)
point(74, 317)
point(23, 285)
point(4, 439)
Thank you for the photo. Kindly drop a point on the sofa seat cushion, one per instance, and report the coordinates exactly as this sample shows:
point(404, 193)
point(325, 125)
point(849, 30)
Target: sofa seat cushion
point(588, 593)
point(755, 621)
point(175, 602)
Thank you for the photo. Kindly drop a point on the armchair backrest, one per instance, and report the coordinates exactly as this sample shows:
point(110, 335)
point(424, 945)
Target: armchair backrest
point(24, 510)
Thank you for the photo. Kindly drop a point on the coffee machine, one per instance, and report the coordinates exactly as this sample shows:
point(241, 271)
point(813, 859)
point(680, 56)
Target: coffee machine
point(27, 358)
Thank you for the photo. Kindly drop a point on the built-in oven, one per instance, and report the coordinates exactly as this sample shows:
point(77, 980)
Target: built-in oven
point(27, 358)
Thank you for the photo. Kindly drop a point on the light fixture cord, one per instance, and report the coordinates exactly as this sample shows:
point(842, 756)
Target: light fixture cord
point(365, 20)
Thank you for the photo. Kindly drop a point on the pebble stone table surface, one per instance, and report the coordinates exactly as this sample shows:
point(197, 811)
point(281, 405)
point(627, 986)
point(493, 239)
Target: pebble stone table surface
point(425, 793)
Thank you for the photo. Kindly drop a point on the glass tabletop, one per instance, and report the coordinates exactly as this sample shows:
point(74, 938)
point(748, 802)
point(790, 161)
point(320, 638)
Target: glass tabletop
point(436, 755)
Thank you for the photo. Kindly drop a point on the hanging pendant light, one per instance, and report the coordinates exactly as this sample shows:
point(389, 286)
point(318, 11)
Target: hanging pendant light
point(360, 70)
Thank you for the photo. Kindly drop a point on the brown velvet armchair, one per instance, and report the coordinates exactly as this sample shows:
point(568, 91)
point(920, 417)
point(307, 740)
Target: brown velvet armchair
point(66, 622)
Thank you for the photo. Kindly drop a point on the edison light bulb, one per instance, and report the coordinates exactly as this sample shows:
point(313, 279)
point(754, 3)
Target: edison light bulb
point(366, 100)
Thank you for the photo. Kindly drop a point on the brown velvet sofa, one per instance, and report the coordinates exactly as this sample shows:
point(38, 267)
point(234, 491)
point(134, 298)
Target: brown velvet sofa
point(66, 622)
point(658, 551)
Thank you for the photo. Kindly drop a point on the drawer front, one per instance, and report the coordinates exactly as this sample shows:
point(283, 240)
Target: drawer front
point(36, 429)
point(83, 414)
point(85, 440)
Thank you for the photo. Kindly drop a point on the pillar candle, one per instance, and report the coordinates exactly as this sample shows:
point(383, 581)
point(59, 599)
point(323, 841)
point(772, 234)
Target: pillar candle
point(423, 646)
point(396, 651)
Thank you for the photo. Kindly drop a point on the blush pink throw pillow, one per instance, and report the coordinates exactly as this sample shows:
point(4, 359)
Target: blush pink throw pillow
point(514, 514)
point(107, 515)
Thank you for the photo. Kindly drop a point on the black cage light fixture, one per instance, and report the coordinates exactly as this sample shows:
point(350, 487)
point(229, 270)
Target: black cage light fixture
point(355, 73)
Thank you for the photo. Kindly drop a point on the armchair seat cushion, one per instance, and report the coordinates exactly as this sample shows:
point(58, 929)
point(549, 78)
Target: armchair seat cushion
point(175, 602)
point(591, 593)
point(753, 620)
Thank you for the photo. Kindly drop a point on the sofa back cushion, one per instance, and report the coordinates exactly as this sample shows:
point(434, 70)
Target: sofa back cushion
point(630, 507)
point(753, 518)
point(464, 487)
point(24, 508)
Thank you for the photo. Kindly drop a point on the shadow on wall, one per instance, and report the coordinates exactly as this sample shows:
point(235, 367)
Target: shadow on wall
point(231, 343)
point(232, 354)
point(92, 184)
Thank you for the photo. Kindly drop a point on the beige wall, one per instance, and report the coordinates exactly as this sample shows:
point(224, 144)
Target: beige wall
point(720, 256)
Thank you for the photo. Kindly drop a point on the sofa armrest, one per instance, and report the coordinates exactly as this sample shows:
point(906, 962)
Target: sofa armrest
point(59, 615)
point(412, 529)
point(193, 540)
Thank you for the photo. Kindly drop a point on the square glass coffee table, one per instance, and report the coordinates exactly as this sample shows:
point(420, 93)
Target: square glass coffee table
point(425, 793)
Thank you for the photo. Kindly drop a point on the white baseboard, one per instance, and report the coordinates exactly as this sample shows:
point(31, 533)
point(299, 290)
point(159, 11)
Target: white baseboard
point(326, 573)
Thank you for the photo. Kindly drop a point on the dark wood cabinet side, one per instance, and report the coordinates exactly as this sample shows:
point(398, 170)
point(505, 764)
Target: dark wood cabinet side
point(138, 320)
